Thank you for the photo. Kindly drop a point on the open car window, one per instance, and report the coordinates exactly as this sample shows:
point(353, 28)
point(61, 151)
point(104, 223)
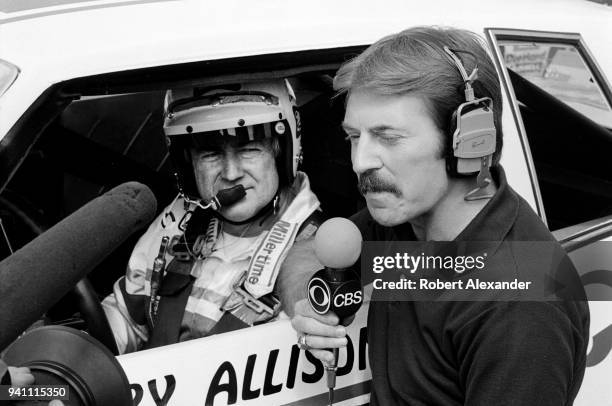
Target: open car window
point(110, 131)
point(561, 70)
point(84, 136)
point(562, 103)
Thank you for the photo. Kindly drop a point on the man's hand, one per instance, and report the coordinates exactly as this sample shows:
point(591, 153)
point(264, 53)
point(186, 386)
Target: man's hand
point(322, 331)
point(296, 270)
point(22, 376)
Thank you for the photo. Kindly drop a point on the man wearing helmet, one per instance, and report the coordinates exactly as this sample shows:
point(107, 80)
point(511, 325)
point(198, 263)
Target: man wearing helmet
point(209, 262)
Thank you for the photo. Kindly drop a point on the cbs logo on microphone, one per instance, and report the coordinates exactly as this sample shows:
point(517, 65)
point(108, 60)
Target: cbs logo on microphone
point(341, 297)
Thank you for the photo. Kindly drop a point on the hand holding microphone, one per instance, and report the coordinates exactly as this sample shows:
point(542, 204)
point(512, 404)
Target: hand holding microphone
point(335, 288)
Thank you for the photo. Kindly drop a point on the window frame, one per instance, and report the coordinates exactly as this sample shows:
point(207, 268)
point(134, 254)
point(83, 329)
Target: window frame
point(495, 36)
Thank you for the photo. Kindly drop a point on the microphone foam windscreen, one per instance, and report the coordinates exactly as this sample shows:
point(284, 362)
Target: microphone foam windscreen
point(337, 243)
point(39, 274)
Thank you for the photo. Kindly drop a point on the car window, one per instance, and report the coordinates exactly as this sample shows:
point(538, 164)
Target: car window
point(560, 70)
point(563, 103)
point(99, 140)
point(92, 145)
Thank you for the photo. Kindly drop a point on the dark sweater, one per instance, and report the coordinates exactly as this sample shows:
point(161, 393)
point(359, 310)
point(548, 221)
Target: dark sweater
point(478, 353)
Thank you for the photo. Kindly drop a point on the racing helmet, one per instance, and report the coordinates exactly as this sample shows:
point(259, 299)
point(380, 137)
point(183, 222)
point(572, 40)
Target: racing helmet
point(201, 117)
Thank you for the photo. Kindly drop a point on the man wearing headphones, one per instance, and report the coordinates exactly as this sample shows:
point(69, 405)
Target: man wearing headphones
point(414, 103)
point(209, 262)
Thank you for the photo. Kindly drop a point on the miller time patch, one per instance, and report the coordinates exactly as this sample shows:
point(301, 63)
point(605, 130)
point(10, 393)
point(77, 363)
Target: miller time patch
point(266, 261)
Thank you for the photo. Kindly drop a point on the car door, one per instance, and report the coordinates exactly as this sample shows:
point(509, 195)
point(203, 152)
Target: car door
point(561, 102)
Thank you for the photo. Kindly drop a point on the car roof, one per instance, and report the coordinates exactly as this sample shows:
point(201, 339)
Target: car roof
point(52, 41)
point(70, 39)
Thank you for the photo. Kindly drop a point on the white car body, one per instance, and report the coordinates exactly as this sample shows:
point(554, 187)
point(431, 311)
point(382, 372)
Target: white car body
point(57, 41)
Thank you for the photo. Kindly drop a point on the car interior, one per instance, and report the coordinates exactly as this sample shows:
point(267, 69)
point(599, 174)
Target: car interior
point(96, 133)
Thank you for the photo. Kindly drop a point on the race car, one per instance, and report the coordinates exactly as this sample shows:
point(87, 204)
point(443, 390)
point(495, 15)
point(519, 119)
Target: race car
point(81, 98)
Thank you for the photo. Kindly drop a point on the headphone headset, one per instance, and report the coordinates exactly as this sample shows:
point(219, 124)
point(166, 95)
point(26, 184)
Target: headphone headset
point(474, 139)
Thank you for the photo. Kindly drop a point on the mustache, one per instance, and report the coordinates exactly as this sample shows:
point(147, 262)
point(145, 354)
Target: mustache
point(370, 182)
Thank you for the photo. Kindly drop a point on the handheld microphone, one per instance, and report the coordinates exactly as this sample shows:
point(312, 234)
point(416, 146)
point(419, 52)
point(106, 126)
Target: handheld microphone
point(43, 271)
point(335, 288)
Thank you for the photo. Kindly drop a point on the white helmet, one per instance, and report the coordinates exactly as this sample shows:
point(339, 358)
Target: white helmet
point(247, 112)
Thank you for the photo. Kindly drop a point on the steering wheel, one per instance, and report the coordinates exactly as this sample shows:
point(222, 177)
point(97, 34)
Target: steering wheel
point(88, 304)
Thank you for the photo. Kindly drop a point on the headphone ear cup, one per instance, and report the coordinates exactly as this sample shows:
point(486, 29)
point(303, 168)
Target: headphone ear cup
point(474, 137)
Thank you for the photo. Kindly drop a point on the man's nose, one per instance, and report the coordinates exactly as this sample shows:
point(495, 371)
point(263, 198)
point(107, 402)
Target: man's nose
point(364, 154)
point(232, 169)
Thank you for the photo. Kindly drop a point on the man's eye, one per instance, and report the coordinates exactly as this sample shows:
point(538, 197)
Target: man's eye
point(388, 138)
point(352, 137)
point(250, 150)
point(208, 155)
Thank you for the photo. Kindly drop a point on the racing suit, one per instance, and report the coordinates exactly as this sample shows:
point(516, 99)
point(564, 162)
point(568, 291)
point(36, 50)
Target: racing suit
point(229, 273)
